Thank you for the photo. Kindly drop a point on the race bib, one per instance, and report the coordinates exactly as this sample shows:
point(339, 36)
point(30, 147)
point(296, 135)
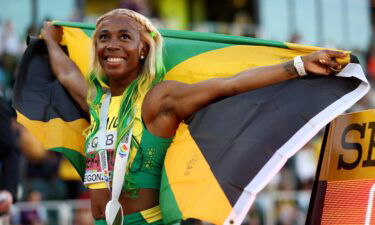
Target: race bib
point(94, 172)
point(100, 158)
point(106, 141)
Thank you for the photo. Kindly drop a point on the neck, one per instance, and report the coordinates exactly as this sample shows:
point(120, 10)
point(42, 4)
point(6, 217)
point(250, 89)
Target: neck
point(117, 87)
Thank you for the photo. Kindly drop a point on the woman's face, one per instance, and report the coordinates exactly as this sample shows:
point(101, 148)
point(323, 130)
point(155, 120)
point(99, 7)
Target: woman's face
point(119, 47)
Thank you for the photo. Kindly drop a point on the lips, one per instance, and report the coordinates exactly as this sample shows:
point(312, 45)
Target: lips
point(114, 61)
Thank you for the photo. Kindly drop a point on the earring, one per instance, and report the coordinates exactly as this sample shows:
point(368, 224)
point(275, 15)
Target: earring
point(142, 57)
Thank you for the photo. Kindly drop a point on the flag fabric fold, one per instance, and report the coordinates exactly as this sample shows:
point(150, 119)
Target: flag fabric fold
point(224, 154)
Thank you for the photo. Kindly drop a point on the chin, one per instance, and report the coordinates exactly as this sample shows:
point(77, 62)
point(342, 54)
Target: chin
point(115, 76)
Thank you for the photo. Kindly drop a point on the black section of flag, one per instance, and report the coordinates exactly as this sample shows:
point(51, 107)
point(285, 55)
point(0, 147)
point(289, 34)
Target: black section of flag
point(250, 127)
point(37, 93)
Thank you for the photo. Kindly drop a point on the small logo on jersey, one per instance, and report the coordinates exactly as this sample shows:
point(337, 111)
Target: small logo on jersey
point(123, 150)
point(106, 175)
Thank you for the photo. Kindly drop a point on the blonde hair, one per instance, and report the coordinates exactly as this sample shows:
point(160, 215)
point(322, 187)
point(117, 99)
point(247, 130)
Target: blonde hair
point(151, 73)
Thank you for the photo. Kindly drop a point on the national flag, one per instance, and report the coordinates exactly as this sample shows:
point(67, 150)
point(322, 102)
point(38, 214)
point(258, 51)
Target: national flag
point(227, 152)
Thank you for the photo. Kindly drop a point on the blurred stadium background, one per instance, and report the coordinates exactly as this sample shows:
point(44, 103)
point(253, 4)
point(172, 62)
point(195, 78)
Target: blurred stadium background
point(50, 192)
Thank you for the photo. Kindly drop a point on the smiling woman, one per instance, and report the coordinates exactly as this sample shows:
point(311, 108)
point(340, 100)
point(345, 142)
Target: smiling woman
point(121, 50)
point(126, 85)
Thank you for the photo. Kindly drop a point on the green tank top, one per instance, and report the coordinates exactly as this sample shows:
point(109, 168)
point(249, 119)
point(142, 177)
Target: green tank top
point(146, 163)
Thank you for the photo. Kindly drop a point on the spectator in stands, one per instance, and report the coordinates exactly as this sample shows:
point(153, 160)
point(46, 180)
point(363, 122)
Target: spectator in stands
point(37, 214)
point(10, 51)
point(140, 6)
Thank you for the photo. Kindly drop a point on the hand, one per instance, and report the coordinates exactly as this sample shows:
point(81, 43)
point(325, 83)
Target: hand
point(51, 32)
point(323, 62)
point(6, 201)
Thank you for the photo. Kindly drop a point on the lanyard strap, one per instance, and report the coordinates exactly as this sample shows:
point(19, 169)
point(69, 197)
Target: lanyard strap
point(103, 156)
point(113, 207)
point(103, 116)
point(121, 161)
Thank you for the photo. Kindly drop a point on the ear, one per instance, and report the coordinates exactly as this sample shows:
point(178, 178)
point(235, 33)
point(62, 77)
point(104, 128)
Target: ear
point(144, 49)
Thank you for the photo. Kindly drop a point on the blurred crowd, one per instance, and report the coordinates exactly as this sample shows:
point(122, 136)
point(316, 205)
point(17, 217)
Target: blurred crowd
point(50, 177)
point(11, 49)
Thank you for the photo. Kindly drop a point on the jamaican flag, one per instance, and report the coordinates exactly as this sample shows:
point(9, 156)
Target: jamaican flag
point(224, 154)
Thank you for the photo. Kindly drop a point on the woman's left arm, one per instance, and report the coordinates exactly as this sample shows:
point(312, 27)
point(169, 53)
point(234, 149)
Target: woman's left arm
point(177, 101)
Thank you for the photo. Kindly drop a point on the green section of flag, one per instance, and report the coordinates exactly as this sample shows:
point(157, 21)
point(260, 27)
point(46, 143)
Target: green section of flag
point(85, 27)
point(169, 207)
point(88, 26)
point(191, 35)
point(177, 51)
point(221, 38)
point(182, 45)
point(75, 158)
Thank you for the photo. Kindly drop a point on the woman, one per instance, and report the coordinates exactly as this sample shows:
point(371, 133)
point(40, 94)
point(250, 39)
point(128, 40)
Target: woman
point(127, 56)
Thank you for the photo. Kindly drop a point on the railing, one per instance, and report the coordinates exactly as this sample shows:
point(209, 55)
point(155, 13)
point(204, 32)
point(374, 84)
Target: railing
point(55, 212)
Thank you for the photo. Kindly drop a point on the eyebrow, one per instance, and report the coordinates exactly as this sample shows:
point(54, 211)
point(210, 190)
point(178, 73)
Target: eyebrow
point(120, 31)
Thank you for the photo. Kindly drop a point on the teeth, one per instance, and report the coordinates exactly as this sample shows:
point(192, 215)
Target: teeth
point(115, 59)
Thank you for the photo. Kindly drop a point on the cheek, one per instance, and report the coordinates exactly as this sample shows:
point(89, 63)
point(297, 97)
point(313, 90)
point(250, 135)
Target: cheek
point(99, 50)
point(134, 54)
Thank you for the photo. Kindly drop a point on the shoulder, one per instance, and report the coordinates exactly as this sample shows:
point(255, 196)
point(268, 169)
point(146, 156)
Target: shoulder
point(165, 87)
point(159, 98)
point(162, 90)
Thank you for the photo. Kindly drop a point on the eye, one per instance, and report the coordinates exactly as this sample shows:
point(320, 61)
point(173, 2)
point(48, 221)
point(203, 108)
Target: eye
point(124, 37)
point(103, 37)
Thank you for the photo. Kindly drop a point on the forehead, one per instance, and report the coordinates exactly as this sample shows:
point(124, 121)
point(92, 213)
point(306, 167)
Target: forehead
point(119, 22)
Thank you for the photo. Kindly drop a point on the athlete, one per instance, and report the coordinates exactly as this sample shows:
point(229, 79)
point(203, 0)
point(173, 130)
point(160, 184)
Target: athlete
point(125, 94)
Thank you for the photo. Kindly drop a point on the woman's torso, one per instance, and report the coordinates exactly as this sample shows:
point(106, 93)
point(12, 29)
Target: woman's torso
point(145, 167)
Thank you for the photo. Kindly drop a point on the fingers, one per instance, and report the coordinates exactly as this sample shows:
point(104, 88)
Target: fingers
point(330, 63)
point(342, 58)
point(334, 60)
point(46, 24)
point(51, 32)
point(325, 62)
point(343, 61)
point(335, 54)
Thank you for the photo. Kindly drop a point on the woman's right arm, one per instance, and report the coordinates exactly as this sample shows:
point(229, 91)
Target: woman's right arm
point(65, 70)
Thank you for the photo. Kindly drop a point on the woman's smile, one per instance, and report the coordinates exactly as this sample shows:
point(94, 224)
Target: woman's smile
point(118, 47)
point(114, 61)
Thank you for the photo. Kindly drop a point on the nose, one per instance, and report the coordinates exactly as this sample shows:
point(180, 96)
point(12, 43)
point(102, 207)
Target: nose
point(113, 45)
